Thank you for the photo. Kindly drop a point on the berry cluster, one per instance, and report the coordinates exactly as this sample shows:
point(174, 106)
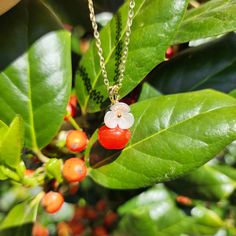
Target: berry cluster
point(74, 170)
point(96, 220)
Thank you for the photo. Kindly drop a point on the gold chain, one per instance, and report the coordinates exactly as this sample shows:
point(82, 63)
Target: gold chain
point(113, 90)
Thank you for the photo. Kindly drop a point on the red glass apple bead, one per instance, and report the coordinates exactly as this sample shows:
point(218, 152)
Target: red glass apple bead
point(113, 138)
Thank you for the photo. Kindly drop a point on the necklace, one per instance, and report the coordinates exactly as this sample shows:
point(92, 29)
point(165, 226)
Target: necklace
point(119, 117)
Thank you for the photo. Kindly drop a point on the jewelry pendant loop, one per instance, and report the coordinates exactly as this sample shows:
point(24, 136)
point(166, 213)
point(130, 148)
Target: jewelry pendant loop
point(114, 94)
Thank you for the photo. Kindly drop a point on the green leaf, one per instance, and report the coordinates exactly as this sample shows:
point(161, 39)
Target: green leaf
point(205, 183)
point(149, 212)
point(35, 70)
point(153, 28)
point(20, 219)
point(3, 129)
point(147, 92)
point(212, 18)
point(154, 212)
point(172, 136)
point(53, 169)
point(154, 196)
point(12, 144)
point(68, 10)
point(211, 65)
point(233, 93)
point(226, 170)
point(206, 216)
point(2, 171)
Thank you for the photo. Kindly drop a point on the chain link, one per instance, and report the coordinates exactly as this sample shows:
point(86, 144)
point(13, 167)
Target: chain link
point(113, 90)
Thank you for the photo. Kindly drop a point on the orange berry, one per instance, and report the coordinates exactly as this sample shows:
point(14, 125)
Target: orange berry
point(110, 218)
point(76, 141)
point(71, 108)
point(63, 229)
point(73, 188)
point(184, 200)
point(77, 228)
point(100, 231)
point(39, 230)
point(91, 213)
point(80, 213)
point(74, 170)
point(52, 201)
point(101, 205)
point(29, 172)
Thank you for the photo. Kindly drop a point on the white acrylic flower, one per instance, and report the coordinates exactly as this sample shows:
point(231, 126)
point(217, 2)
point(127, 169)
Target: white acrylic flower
point(120, 115)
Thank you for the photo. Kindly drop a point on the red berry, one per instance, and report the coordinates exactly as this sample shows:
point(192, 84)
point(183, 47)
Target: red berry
point(169, 52)
point(100, 231)
point(184, 200)
point(71, 108)
point(110, 218)
point(73, 100)
point(39, 230)
point(68, 27)
point(52, 201)
point(101, 205)
point(77, 228)
point(80, 213)
point(73, 188)
point(76, 141)
point(115, 138)
point(74, 170)
point(63, 229)
point(71, 111)
point(91, 213)
point(29, 172)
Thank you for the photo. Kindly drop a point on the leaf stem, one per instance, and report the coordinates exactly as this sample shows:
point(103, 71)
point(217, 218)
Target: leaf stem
point(41, 157)
point(11, 174)
point(74, 123)
point(194, 3)
point(37, 199)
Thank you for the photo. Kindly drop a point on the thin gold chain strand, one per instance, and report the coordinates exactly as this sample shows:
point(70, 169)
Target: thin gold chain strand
point(113, 90)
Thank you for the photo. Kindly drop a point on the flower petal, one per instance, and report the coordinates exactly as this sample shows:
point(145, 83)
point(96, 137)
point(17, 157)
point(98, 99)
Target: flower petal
point(110, 119)
point(120, 106)
point(126, 121)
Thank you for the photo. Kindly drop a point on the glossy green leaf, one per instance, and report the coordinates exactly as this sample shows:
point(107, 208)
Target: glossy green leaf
point(148, 92)
point(53, 169)
point(3, 130)
point(206, 216)
point(149, 212)
point(35, 70)
point(233, 93)
point(205, 183)
point(153, 28)
point(226, 170)
point(12, 144)
point(211, 65)
point(2, 175)
point(154, 213)
point(68, 10)
point(172, 135)
point(19, 220)
point(212, 18)
point(154, 196)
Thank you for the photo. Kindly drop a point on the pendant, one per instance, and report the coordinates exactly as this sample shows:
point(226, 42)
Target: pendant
point(119, 115)
point(115, 134)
